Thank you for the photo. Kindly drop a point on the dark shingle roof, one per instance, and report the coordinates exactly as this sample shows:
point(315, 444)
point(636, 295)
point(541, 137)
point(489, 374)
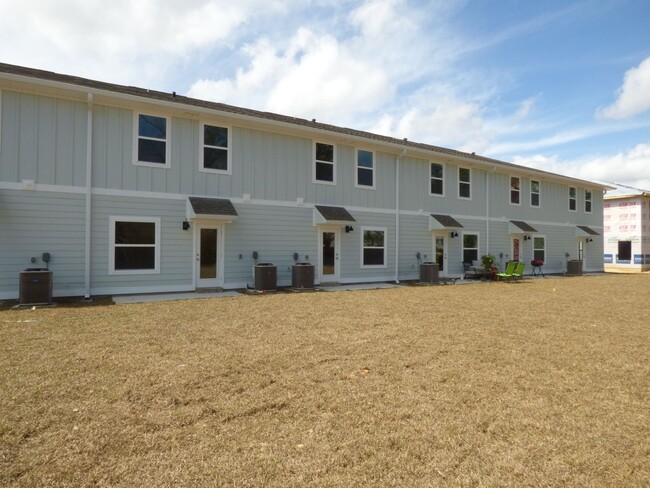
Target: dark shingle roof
point(447, 221)
point(221, 107)
point(588, 230)
point(335, 213)
point(523, 226)
point(212, 206)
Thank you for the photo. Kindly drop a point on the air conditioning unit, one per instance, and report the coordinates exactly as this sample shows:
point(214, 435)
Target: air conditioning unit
point(35, 287)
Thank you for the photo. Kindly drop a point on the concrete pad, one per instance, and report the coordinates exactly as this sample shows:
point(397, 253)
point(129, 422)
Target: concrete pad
point(163, 297)
point(359, 286)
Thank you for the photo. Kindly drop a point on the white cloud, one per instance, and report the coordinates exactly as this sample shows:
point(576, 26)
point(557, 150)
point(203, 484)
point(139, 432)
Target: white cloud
point(633, 96)
point(631, 167)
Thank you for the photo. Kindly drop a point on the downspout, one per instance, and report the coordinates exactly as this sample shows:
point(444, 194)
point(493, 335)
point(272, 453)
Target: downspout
point(397, 161)
point(487, 209)
point(89, 181)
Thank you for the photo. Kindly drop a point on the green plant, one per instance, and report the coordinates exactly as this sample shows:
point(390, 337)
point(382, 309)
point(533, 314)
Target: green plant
point(488, 261)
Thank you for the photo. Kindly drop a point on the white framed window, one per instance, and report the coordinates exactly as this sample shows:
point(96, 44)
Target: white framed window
point(151, 140)
point(588, 200)
point(437, 182)
point(465, 183)
point(134, 245)
point(470, 247)
point(373, 247)
point(365, 174)
point(534, 193)
point(324, 163)
point(539, 248)
point(573, 199)
point(515, 190)
point(214, 141)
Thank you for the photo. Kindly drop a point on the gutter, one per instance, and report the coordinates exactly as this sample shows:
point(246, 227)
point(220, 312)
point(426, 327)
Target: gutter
point(487, 209)
point(89, 182)
point(397, 166)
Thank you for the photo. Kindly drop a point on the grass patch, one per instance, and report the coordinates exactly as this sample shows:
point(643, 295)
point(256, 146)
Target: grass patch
point(543, 383)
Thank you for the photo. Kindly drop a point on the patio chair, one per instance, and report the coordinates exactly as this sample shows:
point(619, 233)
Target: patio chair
point(510, 269)
point(519, 272)
point(471, 271)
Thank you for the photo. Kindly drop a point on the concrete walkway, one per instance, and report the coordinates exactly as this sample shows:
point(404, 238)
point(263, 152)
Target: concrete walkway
point(163, 297)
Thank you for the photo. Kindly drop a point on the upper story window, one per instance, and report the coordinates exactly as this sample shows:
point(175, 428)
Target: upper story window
point(588, 196)
point(437, 186)
point(215, 153)
point(365, 169)
point(373, 247)
point(324, 163)
point(152, 136)
point(515, 190)
point(534, 193)
point(134, 245)
point(573, 198)
point(464, 183)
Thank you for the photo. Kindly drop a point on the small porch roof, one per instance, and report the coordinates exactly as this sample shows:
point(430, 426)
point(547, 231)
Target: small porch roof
point(584, 231)
point(332, 215)
point(220, 209)
point(442, 222)
point(520, 227)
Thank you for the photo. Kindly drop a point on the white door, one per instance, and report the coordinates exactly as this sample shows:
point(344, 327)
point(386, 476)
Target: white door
point(328, 255)
point(581, 253)
point(209, 255)
point(440, 253)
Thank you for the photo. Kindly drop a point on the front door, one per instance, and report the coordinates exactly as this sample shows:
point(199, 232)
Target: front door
point(581, 253)
point(329, 255)
point(440, 254)
point(516, 249)
point(208, 255)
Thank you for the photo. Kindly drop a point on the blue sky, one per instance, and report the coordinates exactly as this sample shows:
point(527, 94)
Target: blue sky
point(558, 85)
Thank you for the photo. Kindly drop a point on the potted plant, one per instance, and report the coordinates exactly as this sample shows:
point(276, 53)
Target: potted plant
point(488, 265)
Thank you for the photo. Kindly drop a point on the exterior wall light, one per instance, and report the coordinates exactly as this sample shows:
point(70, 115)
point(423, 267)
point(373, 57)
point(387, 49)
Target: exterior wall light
point(186, 225)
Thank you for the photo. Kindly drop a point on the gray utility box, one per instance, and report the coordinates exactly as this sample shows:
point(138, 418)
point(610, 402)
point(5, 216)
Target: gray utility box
point(302, 276)
point(429, 273)
point(35, 287)
point(574, 267)
point(266, 277)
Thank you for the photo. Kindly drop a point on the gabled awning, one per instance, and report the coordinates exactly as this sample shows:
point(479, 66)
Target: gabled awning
point(441, 222)
point(210, 208)
point(584, 231)
point(520, 227)
point(332, 215)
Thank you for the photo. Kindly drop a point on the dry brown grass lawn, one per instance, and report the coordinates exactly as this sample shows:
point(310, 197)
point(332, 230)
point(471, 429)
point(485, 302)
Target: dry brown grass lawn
point(544, 383)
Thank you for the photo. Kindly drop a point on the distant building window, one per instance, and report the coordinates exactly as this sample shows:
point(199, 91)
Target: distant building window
point(464, 183)
point(134, 245)
point(152, 146)
point(215, 155)
point(515, 190)
point(437, 186)
point(324, 163)
point(573, 198)
point(624, 251)
point(534, 193)
point(470, 248)
point(539, 248)
point(588, 201)
point(373, 247)
point(365, 169)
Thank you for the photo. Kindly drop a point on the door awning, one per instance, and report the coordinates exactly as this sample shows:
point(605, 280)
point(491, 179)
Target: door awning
point(440, 222)
point(520, 227)
point(584, 231)
point(210, 208)
point(332, 215)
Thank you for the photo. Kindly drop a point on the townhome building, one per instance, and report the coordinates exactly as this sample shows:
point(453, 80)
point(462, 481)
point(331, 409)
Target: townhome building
point(130, 190)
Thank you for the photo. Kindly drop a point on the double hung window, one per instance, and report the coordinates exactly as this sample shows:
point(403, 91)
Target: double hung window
point(588, 196)
point(470, 248)
point(464, 183)
point(573, 198)
point(324, 163)
point(539, 248)
point(534, 193)
point(365, 169)
point(152, 140)
point(515, 190)
point(134, 245)
point(437, 186)
point(373, 247)
point(215, 154)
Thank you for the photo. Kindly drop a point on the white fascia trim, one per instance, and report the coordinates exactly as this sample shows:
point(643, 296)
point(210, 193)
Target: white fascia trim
point(79, 190)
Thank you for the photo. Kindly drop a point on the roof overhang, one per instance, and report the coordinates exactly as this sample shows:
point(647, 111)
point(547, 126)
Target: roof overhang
point(584, 231)
point(520, 227)
point(443, 222)
point(324, 215)
point(202, 208)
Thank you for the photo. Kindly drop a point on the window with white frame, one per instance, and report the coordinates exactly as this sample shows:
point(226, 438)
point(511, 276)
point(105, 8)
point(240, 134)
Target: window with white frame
point(539, 248)
point(324, 163)
point(365, 169)
point(373, 247)
point(215, 143)
point(134, 245)
point(464, 183)
point(588, 196)
point(437, 186)
point(470, 247)
point(534, 193)
point(152, 140)
point(515, 190)
point(573, 198)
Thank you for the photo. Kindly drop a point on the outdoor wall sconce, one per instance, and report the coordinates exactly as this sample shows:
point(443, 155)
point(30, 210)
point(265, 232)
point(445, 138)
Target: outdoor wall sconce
point(186, 225)
point(527, 238)
point(453, 234)
point(589, 239)
point(348, 229)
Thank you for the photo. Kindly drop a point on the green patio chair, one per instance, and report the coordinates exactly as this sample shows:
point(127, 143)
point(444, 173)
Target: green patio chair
point(510, 268)
point(519, 272)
